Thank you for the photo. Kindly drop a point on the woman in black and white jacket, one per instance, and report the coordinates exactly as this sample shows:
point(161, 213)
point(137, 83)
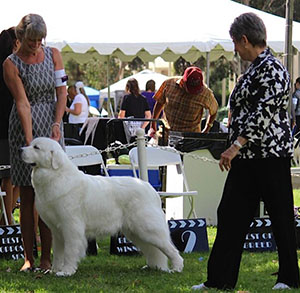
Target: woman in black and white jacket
point(258, 161)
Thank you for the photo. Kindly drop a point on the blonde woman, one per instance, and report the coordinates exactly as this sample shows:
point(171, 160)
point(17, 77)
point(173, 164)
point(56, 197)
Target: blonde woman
point(37, 81)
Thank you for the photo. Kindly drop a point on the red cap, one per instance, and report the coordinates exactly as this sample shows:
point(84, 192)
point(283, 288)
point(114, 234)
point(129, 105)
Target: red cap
point(193, 80)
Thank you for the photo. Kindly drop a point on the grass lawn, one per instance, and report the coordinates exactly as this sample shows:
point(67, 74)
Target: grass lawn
point(297, 197)
point(109, 273)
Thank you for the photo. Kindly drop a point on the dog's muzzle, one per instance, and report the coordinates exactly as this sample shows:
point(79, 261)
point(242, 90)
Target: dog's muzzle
point(21, 153)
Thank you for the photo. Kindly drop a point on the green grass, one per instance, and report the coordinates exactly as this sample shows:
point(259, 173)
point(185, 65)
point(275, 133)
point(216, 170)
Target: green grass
point(109, 273)
point(297, 197)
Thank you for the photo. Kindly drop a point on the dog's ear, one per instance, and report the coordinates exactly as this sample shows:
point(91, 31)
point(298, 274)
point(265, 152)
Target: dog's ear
point(56, 159)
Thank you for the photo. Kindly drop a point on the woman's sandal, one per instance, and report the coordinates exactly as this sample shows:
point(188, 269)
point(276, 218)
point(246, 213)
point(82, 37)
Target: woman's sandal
point(42, 271)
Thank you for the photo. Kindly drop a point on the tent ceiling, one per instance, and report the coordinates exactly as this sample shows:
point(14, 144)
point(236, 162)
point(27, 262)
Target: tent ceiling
point(190, 51)
point(124, 29)
point(148, 52)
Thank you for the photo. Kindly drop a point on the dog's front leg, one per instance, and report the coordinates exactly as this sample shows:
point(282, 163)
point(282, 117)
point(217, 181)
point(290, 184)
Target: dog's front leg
point(58, 251)
point(75, 245)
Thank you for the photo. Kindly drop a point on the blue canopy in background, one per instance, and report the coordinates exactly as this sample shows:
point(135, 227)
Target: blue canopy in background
point(93, 95)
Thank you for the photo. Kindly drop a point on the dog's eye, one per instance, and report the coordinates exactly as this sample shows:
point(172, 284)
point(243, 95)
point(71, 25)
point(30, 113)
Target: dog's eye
point(36, 147)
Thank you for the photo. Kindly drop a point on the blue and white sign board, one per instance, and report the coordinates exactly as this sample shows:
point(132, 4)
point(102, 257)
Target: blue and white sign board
point(11, 246)
point(120, 245)
point(189, 235)
point(260, 236)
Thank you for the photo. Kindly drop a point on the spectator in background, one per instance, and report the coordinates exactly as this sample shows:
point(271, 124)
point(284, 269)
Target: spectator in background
point(183, 100)
point(79, 109)
point(149, 93)
point(8, 44)
point(69, 103)
point(134, 104)
point(296, 104)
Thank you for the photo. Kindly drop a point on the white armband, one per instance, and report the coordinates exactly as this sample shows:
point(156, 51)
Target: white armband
point(60, 78)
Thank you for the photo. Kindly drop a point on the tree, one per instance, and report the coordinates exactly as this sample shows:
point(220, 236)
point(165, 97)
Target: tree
point(73, 70)
point(181, 64)
point(129, 68)
point(93, 73)
point(276, 7)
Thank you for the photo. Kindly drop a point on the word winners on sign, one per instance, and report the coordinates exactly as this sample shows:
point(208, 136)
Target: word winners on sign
point(189, 235)
point(11, 246)
point(120, 245)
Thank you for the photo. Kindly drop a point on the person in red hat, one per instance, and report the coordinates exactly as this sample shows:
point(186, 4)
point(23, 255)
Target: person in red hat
point(183, 100)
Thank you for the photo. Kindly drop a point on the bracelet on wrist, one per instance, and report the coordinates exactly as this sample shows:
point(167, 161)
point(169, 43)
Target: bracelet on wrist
point(237, 143)
point(55, 124)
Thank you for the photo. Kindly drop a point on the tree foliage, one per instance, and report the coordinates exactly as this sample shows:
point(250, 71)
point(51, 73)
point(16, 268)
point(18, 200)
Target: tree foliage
point(276, 7)
point(181, 64)
point(92, 73)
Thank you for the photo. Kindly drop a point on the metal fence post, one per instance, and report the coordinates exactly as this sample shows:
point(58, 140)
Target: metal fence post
point(142, 156)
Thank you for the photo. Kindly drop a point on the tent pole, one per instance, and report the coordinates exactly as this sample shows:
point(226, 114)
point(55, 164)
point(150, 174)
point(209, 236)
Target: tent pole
point(223, 103)
point(108, 87)
point(288, 56)
point(288, 50)
point(170, 69)
point(207, 68)
point(298, 70)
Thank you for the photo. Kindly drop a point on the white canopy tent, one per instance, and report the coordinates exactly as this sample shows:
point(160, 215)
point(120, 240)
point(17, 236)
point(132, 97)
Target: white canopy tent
point(142, 77)
point(125, 29)
point(117, 89)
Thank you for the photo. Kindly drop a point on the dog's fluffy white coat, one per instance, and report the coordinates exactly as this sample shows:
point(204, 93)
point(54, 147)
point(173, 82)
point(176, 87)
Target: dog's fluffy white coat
point(296, 157)
point(76, 206)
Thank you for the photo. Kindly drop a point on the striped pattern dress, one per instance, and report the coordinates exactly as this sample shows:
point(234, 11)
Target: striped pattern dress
point(39, 84)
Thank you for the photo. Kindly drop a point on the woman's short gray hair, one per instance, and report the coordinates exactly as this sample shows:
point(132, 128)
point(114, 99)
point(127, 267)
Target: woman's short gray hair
point(250, 25)
point(31, 26)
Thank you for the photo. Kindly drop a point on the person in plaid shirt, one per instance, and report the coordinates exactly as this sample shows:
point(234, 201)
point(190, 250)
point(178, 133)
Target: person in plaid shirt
point(183, 100)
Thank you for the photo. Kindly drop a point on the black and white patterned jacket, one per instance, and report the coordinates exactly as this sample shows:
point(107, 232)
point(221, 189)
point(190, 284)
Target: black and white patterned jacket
point(258, 106)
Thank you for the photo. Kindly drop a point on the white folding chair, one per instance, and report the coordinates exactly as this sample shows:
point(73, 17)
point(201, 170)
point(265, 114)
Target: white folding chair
point(3, 209)
point(85, 155)
point(157, 157)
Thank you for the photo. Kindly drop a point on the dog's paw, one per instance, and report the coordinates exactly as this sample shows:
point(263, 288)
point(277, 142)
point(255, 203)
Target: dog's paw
point(146, 267)
point(178, 266)
point(177, 270)
point(166, 270)
point(64, 274)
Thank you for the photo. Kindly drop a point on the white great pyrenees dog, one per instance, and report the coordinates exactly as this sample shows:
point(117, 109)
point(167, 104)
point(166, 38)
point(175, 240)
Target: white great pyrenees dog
point(75, 206)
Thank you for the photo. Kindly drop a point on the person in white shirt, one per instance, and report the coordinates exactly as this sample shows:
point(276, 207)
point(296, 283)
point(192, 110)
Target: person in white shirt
point(79, 109)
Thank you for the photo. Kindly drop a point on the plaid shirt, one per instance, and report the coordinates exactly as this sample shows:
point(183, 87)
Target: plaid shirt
point(183, 111)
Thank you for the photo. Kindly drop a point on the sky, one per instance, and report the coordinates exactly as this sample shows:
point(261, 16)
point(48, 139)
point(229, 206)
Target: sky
point(118, 21)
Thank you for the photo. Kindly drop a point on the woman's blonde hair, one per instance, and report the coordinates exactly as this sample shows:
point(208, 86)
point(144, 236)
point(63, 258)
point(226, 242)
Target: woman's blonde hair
point(31, 26)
